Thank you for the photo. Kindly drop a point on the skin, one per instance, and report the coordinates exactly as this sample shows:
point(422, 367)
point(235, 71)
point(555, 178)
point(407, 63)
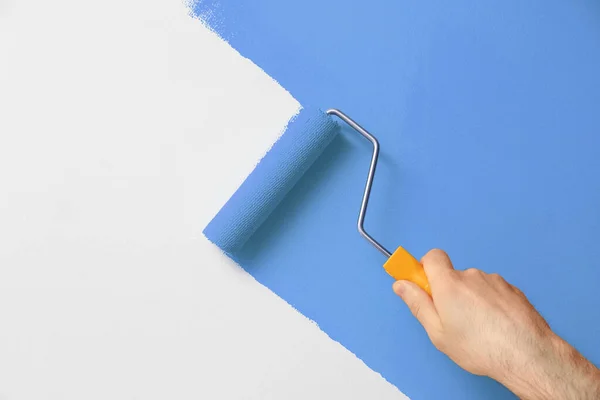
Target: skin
point(489, 328)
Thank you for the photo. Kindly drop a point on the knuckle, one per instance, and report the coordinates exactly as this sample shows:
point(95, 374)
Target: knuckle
point(438, 253)
point(499, 281)
point(472, 272)
point(434, 255)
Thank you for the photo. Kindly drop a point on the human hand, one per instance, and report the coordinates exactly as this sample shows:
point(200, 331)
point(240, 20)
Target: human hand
point(488, 327)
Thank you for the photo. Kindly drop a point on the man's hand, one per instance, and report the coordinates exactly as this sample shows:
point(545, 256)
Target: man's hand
point(488, 327)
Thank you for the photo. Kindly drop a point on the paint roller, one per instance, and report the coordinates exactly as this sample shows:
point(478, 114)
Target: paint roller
point(306, 137)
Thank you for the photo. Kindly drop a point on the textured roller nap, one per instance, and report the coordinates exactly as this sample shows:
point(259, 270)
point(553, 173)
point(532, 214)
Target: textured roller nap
point(307, 135)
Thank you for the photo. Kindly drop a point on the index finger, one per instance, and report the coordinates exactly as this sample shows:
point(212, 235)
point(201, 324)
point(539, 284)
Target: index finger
point(437, 265)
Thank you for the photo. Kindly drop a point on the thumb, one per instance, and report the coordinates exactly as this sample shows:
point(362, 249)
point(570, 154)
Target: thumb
point(419, 303)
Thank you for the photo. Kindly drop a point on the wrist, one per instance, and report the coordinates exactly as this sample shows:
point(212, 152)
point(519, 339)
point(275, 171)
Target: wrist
point(531, 378)
point(555, 371)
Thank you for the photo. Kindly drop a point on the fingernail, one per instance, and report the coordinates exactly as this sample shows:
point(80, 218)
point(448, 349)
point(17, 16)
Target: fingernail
point(399, 287)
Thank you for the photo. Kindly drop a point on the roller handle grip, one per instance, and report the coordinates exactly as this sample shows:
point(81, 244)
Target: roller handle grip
point(403, 266)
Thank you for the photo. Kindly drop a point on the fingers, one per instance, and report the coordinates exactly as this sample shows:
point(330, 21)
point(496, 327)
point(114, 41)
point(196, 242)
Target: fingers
point(436, 264)
point(419, 303)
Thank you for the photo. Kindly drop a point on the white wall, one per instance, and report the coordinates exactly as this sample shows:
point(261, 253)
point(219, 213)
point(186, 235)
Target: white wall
point(115, 117)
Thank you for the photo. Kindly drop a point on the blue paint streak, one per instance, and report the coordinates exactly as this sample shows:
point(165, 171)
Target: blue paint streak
point(487, 115)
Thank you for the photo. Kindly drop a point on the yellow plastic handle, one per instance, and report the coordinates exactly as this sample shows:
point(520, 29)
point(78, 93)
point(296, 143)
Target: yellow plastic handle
point(403, 266)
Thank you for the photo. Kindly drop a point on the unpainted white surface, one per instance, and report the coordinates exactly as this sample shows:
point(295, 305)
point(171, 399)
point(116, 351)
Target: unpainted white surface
point(124, 126)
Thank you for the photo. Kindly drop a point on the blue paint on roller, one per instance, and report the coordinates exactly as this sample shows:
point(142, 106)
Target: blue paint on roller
point(305, 138)
point(487, 116)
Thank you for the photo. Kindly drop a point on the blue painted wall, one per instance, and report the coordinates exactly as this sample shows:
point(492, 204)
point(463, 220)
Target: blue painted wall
point(488, 114)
